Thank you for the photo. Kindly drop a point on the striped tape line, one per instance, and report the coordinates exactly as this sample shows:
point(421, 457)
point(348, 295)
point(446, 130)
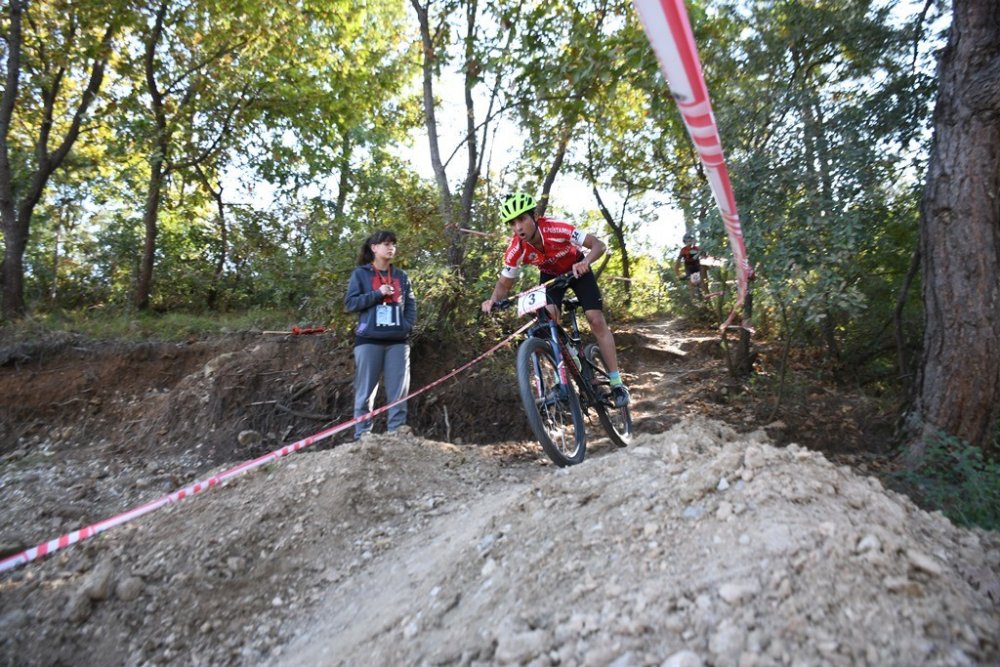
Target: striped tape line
point(198, 487)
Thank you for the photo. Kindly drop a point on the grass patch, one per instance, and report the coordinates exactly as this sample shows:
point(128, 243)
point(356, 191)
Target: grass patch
point(173, 326)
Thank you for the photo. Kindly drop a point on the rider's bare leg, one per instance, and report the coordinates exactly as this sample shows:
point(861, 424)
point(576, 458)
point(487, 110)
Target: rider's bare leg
point(605, 340)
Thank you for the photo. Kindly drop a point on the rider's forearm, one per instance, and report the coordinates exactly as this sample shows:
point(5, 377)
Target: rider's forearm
point(502, 288)
point(596, 252)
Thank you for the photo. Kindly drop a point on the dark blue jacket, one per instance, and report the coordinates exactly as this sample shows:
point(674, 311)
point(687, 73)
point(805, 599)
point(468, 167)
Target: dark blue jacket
point(363, 296)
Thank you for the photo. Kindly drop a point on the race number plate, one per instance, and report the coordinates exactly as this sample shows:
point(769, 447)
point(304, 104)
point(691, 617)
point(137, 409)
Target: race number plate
point(531, 301)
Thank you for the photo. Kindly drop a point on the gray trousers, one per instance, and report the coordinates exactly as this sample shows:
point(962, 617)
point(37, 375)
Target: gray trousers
point(372, 361)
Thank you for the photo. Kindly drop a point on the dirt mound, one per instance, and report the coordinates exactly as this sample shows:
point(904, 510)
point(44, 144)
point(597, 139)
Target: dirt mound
point(695, 545)
point(702, 544)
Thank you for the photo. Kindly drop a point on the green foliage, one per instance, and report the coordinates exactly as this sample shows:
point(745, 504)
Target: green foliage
point(114, 324)
point(822, 109)
point(647, 294)
point(822, 113)
point(957, 479)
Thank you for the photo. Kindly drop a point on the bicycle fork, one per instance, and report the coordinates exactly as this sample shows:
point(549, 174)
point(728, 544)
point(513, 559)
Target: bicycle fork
point(563, 387)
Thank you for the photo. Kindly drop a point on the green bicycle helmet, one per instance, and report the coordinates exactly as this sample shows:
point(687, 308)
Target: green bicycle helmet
point(516, 204)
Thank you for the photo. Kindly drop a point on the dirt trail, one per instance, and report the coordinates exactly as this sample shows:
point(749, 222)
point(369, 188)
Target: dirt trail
point(697, 545)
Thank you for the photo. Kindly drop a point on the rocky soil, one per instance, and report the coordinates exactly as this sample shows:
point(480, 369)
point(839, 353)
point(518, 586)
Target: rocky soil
point(700, 544)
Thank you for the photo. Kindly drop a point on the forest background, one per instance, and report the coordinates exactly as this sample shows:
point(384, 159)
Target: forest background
point(225, 159)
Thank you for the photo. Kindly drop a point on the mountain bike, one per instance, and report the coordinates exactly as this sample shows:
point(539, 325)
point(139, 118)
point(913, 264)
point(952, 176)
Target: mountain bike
point(547, 360)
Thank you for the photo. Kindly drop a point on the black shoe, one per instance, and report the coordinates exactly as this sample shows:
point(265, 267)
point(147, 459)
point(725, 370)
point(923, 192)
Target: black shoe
point(619, 394)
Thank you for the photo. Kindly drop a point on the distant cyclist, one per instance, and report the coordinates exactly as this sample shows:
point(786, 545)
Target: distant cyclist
point(690, 255)
point(555, 247)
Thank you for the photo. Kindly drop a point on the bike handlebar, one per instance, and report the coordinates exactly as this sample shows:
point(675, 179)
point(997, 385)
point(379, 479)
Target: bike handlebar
point(561, 279)
point(502, 304)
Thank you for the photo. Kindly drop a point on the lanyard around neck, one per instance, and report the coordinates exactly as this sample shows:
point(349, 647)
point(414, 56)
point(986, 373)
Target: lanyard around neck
point(383, 280)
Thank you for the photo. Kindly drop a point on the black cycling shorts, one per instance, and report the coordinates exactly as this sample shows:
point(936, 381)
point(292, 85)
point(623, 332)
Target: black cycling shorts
point(585, 288)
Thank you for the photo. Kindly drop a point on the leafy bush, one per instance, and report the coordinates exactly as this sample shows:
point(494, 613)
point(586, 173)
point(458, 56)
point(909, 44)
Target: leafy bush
point(957, 479)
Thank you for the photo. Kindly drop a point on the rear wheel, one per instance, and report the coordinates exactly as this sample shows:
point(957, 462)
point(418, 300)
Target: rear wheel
point(616, 421)
point(553, 411)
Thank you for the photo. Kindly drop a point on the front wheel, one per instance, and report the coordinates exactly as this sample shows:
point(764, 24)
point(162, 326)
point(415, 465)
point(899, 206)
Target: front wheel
point(553, 409)
point(616, 421)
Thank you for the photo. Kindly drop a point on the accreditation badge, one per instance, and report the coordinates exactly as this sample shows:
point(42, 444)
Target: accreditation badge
point(387, 315)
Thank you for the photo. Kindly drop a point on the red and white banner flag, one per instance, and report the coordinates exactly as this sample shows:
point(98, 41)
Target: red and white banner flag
point(669, 32)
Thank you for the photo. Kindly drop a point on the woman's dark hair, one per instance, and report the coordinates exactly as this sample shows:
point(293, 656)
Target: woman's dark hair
point(365, 254)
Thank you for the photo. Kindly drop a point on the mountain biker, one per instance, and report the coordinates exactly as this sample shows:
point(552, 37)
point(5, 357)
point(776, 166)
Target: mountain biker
point(555, 248)
point(690, 254)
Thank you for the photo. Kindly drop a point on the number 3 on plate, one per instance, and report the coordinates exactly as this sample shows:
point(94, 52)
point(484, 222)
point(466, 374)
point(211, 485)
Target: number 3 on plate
point(531, 301)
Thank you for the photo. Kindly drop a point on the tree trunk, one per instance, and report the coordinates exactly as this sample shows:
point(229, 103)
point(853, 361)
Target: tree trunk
point(16, 209)
point(157, 160)
point(618, 231)
point(212, 297)
point(149, 218)
point(13, 272)
point(959, 384)
point(346, 150)
point(53, 289)
point(430, 119)
point(550, 175)
point(745, 354)
point(15, 240)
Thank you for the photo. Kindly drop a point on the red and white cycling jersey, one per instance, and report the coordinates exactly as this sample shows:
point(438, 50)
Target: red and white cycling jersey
point(561, 246)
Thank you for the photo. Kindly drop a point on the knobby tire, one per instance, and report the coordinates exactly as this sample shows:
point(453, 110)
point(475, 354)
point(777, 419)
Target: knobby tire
point(616, 421)
point(557, 422)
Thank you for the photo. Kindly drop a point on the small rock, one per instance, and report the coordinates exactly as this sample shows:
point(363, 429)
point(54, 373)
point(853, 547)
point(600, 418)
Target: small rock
point(684, 658)
point(727, 642)
point(736, 592)
point(903, 585)
point(923, 562)
point(693, 512)
point(236, 564)
point(486, 544)
point(249, 438)
point(753, 458)
point(519, 647)
point(97, 585)
point(827, 528)
point(868, 543)
point(77, 608)
point(130, 588)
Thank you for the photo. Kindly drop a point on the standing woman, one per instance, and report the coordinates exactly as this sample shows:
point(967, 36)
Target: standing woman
point(381, 295)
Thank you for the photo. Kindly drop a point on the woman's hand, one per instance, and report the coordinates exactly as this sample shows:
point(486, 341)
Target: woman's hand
point(386, 290)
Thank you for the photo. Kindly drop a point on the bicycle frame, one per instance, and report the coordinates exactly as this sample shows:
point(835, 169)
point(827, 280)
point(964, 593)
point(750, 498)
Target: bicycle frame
point(556, 335)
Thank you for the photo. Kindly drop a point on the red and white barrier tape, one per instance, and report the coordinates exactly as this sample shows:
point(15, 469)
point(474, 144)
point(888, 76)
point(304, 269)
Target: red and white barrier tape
point(81, 534)
point(669, 32)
